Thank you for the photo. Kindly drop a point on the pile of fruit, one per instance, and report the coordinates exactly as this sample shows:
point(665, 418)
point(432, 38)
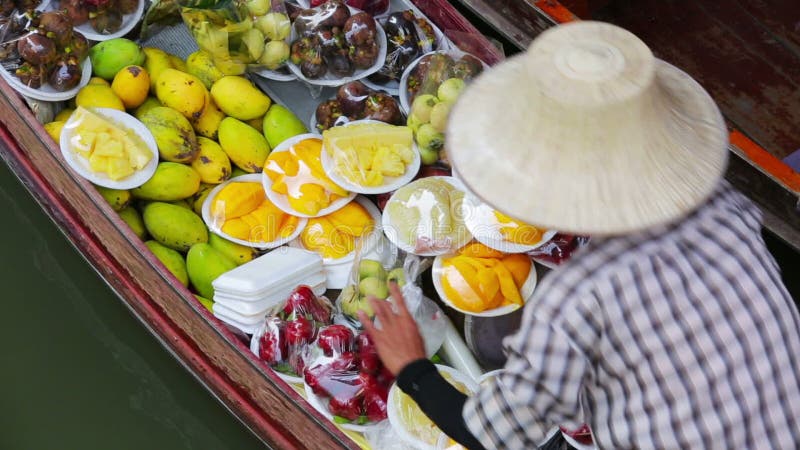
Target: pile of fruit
point(46, 51)
point(355, 101)
point(372, 7)
point(479, 278)
point(331, 40)
point(365, 153)
point(516, 231)
point(285, 337)
point(297, 174)
point(105, 16)
point(349, 375)
point(409, 37)
point(243, 211)
point(334, 236)
point(241, 34)
point(373, 281)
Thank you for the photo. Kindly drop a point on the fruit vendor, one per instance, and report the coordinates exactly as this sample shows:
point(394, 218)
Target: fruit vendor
point(671, 329)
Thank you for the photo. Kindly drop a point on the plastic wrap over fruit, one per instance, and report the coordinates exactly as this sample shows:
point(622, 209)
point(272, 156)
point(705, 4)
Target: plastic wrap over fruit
point(345, 376)
point(558, 250)
point(409, 36)
point(282, 340)
point(372, 7)
point(240, 34)
point(355, 101)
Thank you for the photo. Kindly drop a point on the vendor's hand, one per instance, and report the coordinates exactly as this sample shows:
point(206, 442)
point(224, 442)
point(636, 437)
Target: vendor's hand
point(398, 341)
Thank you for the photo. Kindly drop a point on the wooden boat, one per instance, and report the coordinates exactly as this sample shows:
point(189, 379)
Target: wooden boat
point(216, 356)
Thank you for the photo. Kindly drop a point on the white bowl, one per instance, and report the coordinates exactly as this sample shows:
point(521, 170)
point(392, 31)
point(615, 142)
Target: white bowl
point(216, 228)
point(405, 102)
point(128, 23)
point(328, 79)
point(390, 183)
point(281, 201)
point(81, 165)
point(401, 428)
point(482, 223)
point(391, 231)
point(45, 91)
point(525, 291)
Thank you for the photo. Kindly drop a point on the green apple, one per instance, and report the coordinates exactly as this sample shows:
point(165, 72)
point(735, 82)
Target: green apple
point(398, 276)
point(428, 156)
point(373, 286)
point(422, 107)
point(371, 268)
point(439, 115)
point(450, 89)
point(414, 123)
point(430, 137)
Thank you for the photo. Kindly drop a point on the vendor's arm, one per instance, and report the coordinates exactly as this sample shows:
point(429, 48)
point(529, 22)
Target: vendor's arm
point(402, 351)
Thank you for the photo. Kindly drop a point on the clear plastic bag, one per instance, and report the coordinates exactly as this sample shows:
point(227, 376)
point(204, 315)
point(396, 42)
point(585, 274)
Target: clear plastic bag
point(558, 249)
point(356, 101)
point(240, 35)
point(372, 7)
point(282, 340)
point(345, 379)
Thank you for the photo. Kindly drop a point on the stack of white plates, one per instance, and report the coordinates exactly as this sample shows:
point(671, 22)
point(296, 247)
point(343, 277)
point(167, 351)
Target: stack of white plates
point(246, 295)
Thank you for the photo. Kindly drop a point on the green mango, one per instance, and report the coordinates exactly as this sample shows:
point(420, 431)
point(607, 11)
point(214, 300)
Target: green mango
point(238, 253)
point(200, 197)
point(209, 304)
point(134, 220)
point(170, 182)
point(174, 226)
point(281, 124)
point(118, 199)
point(171, 259)
point(109, 57)
point(204, 264)
point(246, 147)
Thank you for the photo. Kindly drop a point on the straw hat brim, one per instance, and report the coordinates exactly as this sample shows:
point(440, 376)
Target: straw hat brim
point(595, 175)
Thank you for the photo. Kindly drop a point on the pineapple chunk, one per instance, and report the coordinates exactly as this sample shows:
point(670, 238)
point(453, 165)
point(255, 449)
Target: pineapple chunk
point(107, 146)
point(118, 168)
point(98, 163)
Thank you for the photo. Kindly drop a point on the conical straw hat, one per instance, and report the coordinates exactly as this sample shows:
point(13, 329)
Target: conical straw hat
point(587, 132)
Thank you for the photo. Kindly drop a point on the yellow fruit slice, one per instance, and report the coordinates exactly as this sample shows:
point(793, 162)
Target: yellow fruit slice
point(478, 250)
point(236, 200)
point(520, 267)
point(507, 286)
point(459, 291)
point(352, 219)
point(237, 228)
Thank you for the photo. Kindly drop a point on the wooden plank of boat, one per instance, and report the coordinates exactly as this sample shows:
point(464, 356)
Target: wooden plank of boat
point(757, 171)
point(222, 362)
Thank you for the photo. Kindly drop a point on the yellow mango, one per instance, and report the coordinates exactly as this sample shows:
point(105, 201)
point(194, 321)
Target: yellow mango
point(478, 250)
point(155, 62)
point(246, 147)
point(352, 219)
point(173, 134)
point(507, 286)
point(171, 181)
point(320, 236)
point(312, 199)
point(237, 228)
point(148, 104)
point(490, 287)
point(200, 197)
point(236, 200)
point(289, 225)
point(237, 97)
point(64, 114)
point(279, 185)
point(520, 267)
point(459, 291)
point(131, 84)
point(237, 253)
point(207, 125)
point(517, 232)
point(54, 129)
point(202, 66)
point(176, 62)
point(211, 163)
point(182, 92)
point(98, 96)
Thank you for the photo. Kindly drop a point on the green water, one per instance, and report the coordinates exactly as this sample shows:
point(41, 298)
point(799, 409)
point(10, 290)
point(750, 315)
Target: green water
point(78, 370)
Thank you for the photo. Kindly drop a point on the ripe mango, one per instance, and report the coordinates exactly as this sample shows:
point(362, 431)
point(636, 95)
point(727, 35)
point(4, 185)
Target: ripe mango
point(131, 84)
point(280, 124)
point(171, 181)
point(202, 66)
point(209, 304)
point(149, 103)
point(98, 96)
point(173, 134)
point(200, 197)
point(237, 97)
point(182, 92)
point(237, 171)
point(63, 115)
point(109, 57)
point(156, 61)
point(237, 199)
point(211, 163)
point(237, 253)
point(134, 220)
point(171, 259)
point(176, 227)
point(246, 147)
point(207, 125)
point(54, 129)
point(204, 264)
point(176, 62)
point(117, 198)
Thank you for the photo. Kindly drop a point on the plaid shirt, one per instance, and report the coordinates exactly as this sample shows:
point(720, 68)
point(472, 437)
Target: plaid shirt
point(679, 337)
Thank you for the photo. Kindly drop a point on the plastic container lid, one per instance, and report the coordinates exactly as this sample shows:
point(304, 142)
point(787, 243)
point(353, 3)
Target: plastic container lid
point(390, 183)
point(308, 278)
point(268, 270)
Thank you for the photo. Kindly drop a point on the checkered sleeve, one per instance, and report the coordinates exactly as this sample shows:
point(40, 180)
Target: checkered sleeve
point(539, 389)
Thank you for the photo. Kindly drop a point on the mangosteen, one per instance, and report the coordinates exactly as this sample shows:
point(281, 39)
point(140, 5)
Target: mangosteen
point(333, 13)
point(364, 56)
point(466, 68)
point(107, 21)
point(30, 75)
point(76, 10)
point(381, 106)
point(37, 49)
point(328, 112)
point(127, 6)
point(57, 26)
point(65, 74)
point(79, 46)
point(360, 29)
point(351, 97)
point(339, 64)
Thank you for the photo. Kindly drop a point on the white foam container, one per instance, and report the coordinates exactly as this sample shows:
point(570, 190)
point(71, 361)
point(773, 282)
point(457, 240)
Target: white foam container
point(328, 79)
point(268, 305)
point(282, 201)
point(215, 227)
point(525, 291)
point(245, 328)
point(46, 92)
point(268, 270)
point(390, 183)
point(81, 165)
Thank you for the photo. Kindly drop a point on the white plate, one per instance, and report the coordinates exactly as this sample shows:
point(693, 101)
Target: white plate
point(255, 346)
point(330, 80)
point(81, 165)
point(526, 291)
point(390, 183)
point(280, 200)
point(128, 23)
point(321, 405)
point(405, 102)
point(46, 92)
point(216, 229)
point(390, 231)
point(483, 224)
point(394, 415)
point(275, 75)
point(392, 87)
